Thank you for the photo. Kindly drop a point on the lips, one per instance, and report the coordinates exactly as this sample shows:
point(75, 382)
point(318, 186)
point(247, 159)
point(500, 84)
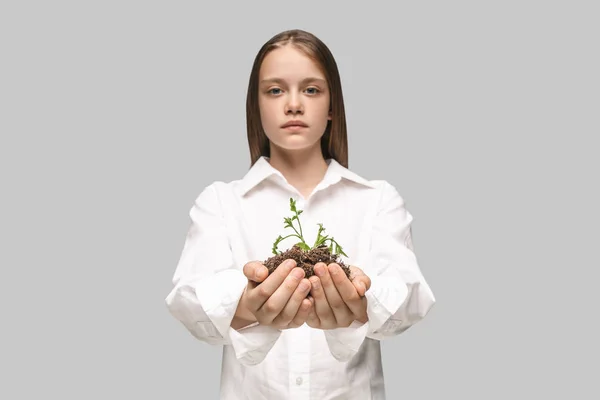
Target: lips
point(294, 123)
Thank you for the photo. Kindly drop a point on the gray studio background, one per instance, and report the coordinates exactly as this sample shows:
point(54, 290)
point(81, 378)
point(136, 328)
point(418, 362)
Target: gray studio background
point(114, 115)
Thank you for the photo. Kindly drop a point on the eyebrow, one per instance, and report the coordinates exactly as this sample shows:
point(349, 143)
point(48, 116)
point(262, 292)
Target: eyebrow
point(279, 80)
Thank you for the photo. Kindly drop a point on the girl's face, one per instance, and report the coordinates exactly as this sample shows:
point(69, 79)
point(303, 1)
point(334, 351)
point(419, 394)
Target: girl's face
point(292, 87)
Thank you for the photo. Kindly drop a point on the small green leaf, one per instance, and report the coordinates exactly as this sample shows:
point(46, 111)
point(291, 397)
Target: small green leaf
point(303, 246)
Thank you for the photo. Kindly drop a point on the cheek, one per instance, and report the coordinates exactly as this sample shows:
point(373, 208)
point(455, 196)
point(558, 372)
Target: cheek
point(322, 110)
point(268, 120)
point(323, 106)
point(266, 112)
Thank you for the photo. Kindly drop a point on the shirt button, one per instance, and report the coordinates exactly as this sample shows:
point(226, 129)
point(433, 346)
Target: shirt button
point(299, 380)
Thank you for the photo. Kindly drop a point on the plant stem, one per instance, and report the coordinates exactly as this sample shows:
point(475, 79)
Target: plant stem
point(299, 235)
point(319, 242)
point(300, 225)
point(283, 238)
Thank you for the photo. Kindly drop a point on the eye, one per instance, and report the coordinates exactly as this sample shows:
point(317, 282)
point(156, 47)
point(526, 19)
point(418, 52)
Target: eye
point(271, 90)
point(313, 88)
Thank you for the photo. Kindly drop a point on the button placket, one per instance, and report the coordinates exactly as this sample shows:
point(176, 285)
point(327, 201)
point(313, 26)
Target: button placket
point(299, 362)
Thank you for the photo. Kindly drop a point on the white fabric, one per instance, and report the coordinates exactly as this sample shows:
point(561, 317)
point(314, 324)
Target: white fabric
point(238, 221)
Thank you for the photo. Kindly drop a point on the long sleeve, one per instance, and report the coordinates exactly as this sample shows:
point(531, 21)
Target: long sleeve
point(208, 285)
point(399, 296)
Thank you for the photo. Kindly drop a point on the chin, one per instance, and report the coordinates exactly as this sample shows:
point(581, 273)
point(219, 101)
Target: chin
point(295, 143)
point(291, 147)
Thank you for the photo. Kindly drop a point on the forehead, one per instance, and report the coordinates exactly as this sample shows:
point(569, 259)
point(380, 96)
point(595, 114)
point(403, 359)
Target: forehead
point(289, 63)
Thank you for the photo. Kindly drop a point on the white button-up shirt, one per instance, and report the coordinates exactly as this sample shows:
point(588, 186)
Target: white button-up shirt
point(235, 222)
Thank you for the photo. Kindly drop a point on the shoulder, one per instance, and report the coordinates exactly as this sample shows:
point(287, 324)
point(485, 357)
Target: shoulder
point(213, 189)
point(216, 193)
point(388, 195)
point(210, 199)
point(384, 187)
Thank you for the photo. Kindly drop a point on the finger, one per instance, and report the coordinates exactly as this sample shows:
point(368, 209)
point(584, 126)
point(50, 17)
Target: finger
point(255, 271)
point(357, 273)
point(277, 301)
point(359, 309)
point(293, 304)
point(323, 312)
point(262, 292)
point(362, 284)
point(313, 320)
point(302, 314)
point(349, 295)
point(340, 310)
point(343, 285)
point(360, 287)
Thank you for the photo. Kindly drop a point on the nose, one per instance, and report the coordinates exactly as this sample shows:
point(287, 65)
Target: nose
point(293, 106)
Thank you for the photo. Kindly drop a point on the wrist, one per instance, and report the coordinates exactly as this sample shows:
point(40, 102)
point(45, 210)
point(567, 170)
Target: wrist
point(242, 312)
point(238, 323)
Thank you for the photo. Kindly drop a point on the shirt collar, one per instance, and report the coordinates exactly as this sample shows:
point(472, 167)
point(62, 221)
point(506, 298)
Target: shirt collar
point(262, 170)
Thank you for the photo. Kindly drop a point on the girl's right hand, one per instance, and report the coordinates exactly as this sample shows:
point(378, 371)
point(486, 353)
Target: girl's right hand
point(279, 299)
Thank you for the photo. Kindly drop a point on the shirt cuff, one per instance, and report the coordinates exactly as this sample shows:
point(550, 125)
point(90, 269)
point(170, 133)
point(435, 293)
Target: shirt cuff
point(219, 296)
point(252, 343)
point(384, 298)
point(344, 343)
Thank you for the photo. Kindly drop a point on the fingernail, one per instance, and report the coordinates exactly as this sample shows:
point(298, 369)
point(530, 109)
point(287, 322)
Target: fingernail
point(298, 273)
point(319, 270)
point(290, 263)
point(316, 284)
point(258, 273)
point(333, 270)
point(363, 286)
point(304, 286)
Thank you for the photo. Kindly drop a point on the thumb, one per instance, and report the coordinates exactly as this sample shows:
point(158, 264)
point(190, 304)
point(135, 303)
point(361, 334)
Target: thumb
point(362, 284)
point(260, 273)
point(255, 271)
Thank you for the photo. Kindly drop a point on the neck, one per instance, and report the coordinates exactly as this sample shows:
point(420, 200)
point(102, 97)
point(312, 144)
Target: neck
point(302, 169)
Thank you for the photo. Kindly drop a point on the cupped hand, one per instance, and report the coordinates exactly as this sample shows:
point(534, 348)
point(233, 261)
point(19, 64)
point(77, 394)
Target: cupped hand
point(279, 299)
point(338, 300)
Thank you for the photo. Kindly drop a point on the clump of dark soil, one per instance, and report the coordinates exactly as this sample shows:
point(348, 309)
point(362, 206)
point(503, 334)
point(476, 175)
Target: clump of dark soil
point(306, 259)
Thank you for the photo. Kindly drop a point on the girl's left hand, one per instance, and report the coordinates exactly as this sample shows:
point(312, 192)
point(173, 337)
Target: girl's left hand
point(337, 300)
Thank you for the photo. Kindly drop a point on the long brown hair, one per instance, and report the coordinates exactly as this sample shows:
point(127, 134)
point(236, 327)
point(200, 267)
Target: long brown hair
point(334, 142)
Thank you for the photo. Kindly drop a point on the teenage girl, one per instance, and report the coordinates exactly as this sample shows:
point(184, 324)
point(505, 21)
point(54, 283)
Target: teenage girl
point(288, 335)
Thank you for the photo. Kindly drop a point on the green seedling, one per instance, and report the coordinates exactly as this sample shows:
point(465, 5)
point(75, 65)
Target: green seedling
point(334, 247)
